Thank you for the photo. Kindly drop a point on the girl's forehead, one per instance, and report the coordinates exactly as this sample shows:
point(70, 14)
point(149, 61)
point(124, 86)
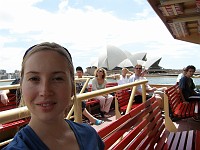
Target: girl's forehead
point(45, 60)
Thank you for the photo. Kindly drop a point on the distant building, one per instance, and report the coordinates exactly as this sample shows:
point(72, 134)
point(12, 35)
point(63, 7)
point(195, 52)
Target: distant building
point(5, 75)
point(114, 59)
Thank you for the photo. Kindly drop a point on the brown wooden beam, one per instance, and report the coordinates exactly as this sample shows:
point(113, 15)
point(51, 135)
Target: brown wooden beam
point(186, 19)
point(170, 2)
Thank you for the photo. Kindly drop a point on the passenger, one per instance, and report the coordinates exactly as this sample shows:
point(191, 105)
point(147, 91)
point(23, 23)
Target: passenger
point(124, 77)
point(181, 75)
point(3, 96)
point(79, 86)
point(187, 85)
point(139, 75)
point(4, 93)
point(47, 86)
point(99, 82)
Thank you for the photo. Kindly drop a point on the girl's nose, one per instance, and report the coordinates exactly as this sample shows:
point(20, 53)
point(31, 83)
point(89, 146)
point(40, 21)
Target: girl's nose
point(45, 89)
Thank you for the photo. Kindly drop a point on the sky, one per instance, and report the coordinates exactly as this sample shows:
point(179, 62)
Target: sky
point(86, 27)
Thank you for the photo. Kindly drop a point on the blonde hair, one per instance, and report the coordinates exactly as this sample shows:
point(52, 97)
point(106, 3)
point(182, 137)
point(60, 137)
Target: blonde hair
point(104, 72)
point(46, 46)
point(125, 69)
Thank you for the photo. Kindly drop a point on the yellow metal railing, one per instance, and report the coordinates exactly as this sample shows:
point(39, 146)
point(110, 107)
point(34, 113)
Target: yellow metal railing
point(7, 80)
point(23, 112)
point(7, 87)
point(77, 104)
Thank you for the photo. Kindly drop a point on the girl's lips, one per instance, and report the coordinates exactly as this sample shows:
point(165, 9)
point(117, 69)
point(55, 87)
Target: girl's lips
point(46, 106)
point(46, 103)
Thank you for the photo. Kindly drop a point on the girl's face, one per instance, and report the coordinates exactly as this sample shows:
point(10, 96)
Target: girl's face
point(46, 86)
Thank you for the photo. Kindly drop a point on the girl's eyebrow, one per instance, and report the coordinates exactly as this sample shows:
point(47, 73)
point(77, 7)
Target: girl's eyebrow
point(56, 72)
point(32, 72)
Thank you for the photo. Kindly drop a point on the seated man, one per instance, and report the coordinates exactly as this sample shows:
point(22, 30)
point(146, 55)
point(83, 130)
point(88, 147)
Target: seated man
point(187, 85)
point(139, 75)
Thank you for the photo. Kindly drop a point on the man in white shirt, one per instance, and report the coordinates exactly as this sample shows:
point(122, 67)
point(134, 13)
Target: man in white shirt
point(139, 75)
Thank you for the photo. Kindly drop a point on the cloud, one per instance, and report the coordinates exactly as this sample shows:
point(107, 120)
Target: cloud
point(85, 32)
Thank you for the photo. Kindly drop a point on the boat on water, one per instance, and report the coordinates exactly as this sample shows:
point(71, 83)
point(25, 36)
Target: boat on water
point(9, 116)
point(181, 17)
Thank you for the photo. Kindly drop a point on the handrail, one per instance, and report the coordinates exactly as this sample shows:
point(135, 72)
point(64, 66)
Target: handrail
point(7, 80)
point(6, 87)
point(77, 104)
point(22, 112)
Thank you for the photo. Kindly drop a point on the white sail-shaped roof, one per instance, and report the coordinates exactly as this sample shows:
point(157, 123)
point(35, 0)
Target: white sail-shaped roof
point(114, 57)
point(152, 62)
point(125, 63)
point(111, 58)
point(137, 56)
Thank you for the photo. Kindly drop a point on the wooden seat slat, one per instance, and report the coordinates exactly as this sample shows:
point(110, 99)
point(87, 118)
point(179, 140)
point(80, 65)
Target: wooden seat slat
point(123, 97)
point(163, 138)
point(190, 140)
point(197, 140)
point(11, 104)
point(13, 124)
point(159, 128)
point(152, 132)
point(178, 108)
point(169, 140)
point(144, 128)
point(175, 140)
point(182, 140)
point(136, 117)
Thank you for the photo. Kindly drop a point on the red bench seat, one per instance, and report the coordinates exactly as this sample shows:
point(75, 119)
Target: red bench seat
point(123, 97)
point(11, 104)
point(178, 108)
point(143, 128)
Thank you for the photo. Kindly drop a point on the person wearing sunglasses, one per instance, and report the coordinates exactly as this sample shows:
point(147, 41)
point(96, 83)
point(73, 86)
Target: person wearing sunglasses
point(48, 90)
point(79, 86)
point(99, 82)
point(139, 75)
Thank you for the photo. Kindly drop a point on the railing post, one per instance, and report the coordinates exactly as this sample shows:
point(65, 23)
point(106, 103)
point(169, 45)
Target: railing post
point(131, 99)
point(117, 113)
point(78, 104)
point(168, 122)
point(144, 92)
point(23, 112)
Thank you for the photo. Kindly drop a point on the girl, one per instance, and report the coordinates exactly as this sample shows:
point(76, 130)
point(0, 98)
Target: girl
point(47, 85)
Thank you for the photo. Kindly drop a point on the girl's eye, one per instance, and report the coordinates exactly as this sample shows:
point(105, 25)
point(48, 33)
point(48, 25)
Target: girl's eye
point(33, 79)
point(58, 79)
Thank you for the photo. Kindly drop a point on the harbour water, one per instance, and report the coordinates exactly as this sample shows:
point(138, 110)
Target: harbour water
point(152, 80)
point(168, 80)
point(5, 83)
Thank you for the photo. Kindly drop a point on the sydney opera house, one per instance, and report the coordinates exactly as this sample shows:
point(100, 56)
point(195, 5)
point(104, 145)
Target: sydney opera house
point(114, 59)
